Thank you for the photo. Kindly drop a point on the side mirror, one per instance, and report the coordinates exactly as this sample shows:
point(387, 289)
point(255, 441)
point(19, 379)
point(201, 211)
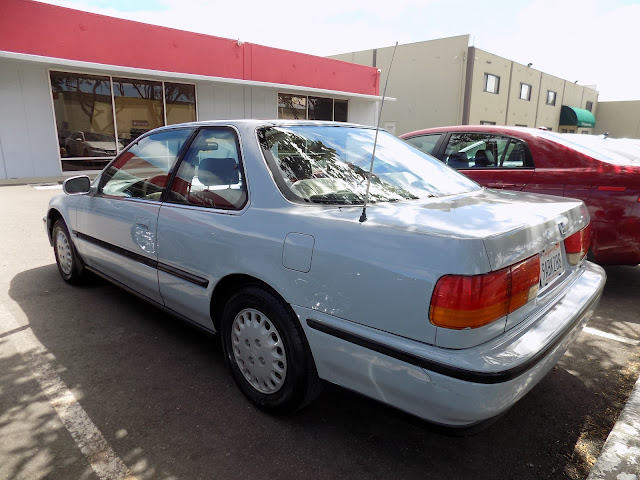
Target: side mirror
point(77, 185)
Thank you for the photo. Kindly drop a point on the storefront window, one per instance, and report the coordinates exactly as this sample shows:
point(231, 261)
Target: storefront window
point(292, 107)
point(180, 100)
point(139, 108)
point(340, 108)
point(84, 120)
point(296, 107)
point(320, 108)
point(84, 112)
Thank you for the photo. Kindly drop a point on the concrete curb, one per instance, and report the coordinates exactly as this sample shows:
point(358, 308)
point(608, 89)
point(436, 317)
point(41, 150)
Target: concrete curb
point(29, 181)
point(620, 457)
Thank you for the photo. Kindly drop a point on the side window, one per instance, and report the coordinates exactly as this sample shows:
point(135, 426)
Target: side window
point(474, 150)
point(143, 170)
point(516, 155)
point(426, 143)
point(210, 174)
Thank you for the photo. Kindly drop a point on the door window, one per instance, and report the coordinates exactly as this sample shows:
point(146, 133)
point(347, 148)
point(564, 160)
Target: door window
point(516, 155)
point(143, 170)
point(210, 174)
point(426, 143)
point(475, 150)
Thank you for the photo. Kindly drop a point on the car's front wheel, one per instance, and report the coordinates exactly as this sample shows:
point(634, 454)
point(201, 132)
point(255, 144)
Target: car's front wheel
point(267, 351)
point(67, 259)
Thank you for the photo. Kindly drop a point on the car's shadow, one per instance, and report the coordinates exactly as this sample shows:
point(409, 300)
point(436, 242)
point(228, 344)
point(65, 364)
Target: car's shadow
point(160, 393)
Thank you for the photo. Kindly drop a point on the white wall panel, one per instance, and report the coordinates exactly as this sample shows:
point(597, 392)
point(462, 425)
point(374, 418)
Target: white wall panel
point(228, 102)
point(264, 103)
point(205, 101)
point(363, 112)
point(27, 130)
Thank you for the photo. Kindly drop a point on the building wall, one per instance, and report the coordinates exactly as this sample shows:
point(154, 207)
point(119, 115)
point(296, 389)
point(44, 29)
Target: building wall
point(619, 119)
point(58, 32)
point(523, 112)
point(28, 134)
point(28, 142)
point(549, 115)
point(485, 106)
point(427, 80)
point(436, 84)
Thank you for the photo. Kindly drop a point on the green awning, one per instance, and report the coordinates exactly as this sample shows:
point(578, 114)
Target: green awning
point(577, 116)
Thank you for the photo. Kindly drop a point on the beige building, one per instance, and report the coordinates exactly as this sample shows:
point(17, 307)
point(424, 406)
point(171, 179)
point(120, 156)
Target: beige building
point(619, 119)
point(446, 82)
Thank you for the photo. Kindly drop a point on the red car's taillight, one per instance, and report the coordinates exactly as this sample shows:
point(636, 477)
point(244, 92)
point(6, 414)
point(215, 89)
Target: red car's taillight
point(577, 245)
point(461, 301)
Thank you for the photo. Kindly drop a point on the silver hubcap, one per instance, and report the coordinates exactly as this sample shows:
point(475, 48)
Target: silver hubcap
point(63, 250)
point(259, 351)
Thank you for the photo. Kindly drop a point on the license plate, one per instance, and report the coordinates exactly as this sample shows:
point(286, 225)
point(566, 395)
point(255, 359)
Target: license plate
point(551, 265)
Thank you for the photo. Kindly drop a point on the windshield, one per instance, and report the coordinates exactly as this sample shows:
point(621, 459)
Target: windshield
point(330, 164)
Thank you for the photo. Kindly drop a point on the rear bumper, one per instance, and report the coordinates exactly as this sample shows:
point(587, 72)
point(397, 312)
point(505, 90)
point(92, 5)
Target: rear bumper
point(453, 387)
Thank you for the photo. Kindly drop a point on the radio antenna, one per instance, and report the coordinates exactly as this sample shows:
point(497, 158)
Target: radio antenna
point(363, 216)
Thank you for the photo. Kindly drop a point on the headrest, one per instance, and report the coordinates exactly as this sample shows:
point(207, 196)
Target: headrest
point(458, 160)
point(484, 158)
point(218, 171)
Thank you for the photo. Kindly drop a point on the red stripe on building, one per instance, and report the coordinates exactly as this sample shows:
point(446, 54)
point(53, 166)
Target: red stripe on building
point(46, 30)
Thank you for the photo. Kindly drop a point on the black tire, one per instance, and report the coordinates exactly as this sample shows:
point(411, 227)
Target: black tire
point(69, 263)
point(275, 348)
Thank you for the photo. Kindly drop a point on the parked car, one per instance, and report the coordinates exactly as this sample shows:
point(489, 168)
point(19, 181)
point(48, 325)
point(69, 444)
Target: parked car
point(449, 301)
point(537, 161)
point(627, 148)
point(91, 144)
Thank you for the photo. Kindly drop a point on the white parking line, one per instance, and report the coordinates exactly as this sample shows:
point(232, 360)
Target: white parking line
point(92, 444)
point(611, 336)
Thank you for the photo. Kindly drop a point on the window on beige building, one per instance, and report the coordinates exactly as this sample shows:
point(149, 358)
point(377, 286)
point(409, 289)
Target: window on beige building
point(525, 91)
point(491, 83)
point(551, 97)
point(589, 106)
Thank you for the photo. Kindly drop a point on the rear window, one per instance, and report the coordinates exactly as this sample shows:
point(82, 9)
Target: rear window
point(330, 164)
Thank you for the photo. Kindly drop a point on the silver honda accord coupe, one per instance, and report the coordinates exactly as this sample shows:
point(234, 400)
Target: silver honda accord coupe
point(319, 256)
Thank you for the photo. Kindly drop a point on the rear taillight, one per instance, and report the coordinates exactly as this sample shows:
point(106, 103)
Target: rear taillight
point(577, 245)
point(460, 301)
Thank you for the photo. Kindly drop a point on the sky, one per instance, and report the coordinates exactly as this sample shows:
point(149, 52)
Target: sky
point(595, 42)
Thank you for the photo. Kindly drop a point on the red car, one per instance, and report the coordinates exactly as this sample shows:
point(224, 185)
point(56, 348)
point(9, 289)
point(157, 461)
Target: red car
point(538, 161)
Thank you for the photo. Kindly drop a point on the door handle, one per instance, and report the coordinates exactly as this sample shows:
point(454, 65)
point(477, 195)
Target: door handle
point(501, 185)
point(143, 222)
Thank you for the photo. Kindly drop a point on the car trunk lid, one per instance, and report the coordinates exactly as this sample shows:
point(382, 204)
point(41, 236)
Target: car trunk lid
point(512, 225)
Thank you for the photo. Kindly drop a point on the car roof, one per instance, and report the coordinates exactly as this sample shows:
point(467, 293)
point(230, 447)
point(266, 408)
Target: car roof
point(522, 132)
point(262, 123)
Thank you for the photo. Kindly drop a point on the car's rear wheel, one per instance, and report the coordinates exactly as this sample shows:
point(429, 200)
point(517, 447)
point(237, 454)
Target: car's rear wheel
point(267, 351)
point(69, 263)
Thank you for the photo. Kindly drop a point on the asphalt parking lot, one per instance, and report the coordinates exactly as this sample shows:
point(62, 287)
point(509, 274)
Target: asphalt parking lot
point(93, 376)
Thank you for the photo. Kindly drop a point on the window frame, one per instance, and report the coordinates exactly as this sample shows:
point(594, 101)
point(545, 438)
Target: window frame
point(486, 83)
point(307, 103)
point(555, 96)
point(528, 163)
point(528, 91)
point(242, 171)
point(115, 125)
point(588, 106)
point(102, 180)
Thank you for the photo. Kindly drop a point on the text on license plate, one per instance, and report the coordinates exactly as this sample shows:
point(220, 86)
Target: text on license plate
point(550, 264)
